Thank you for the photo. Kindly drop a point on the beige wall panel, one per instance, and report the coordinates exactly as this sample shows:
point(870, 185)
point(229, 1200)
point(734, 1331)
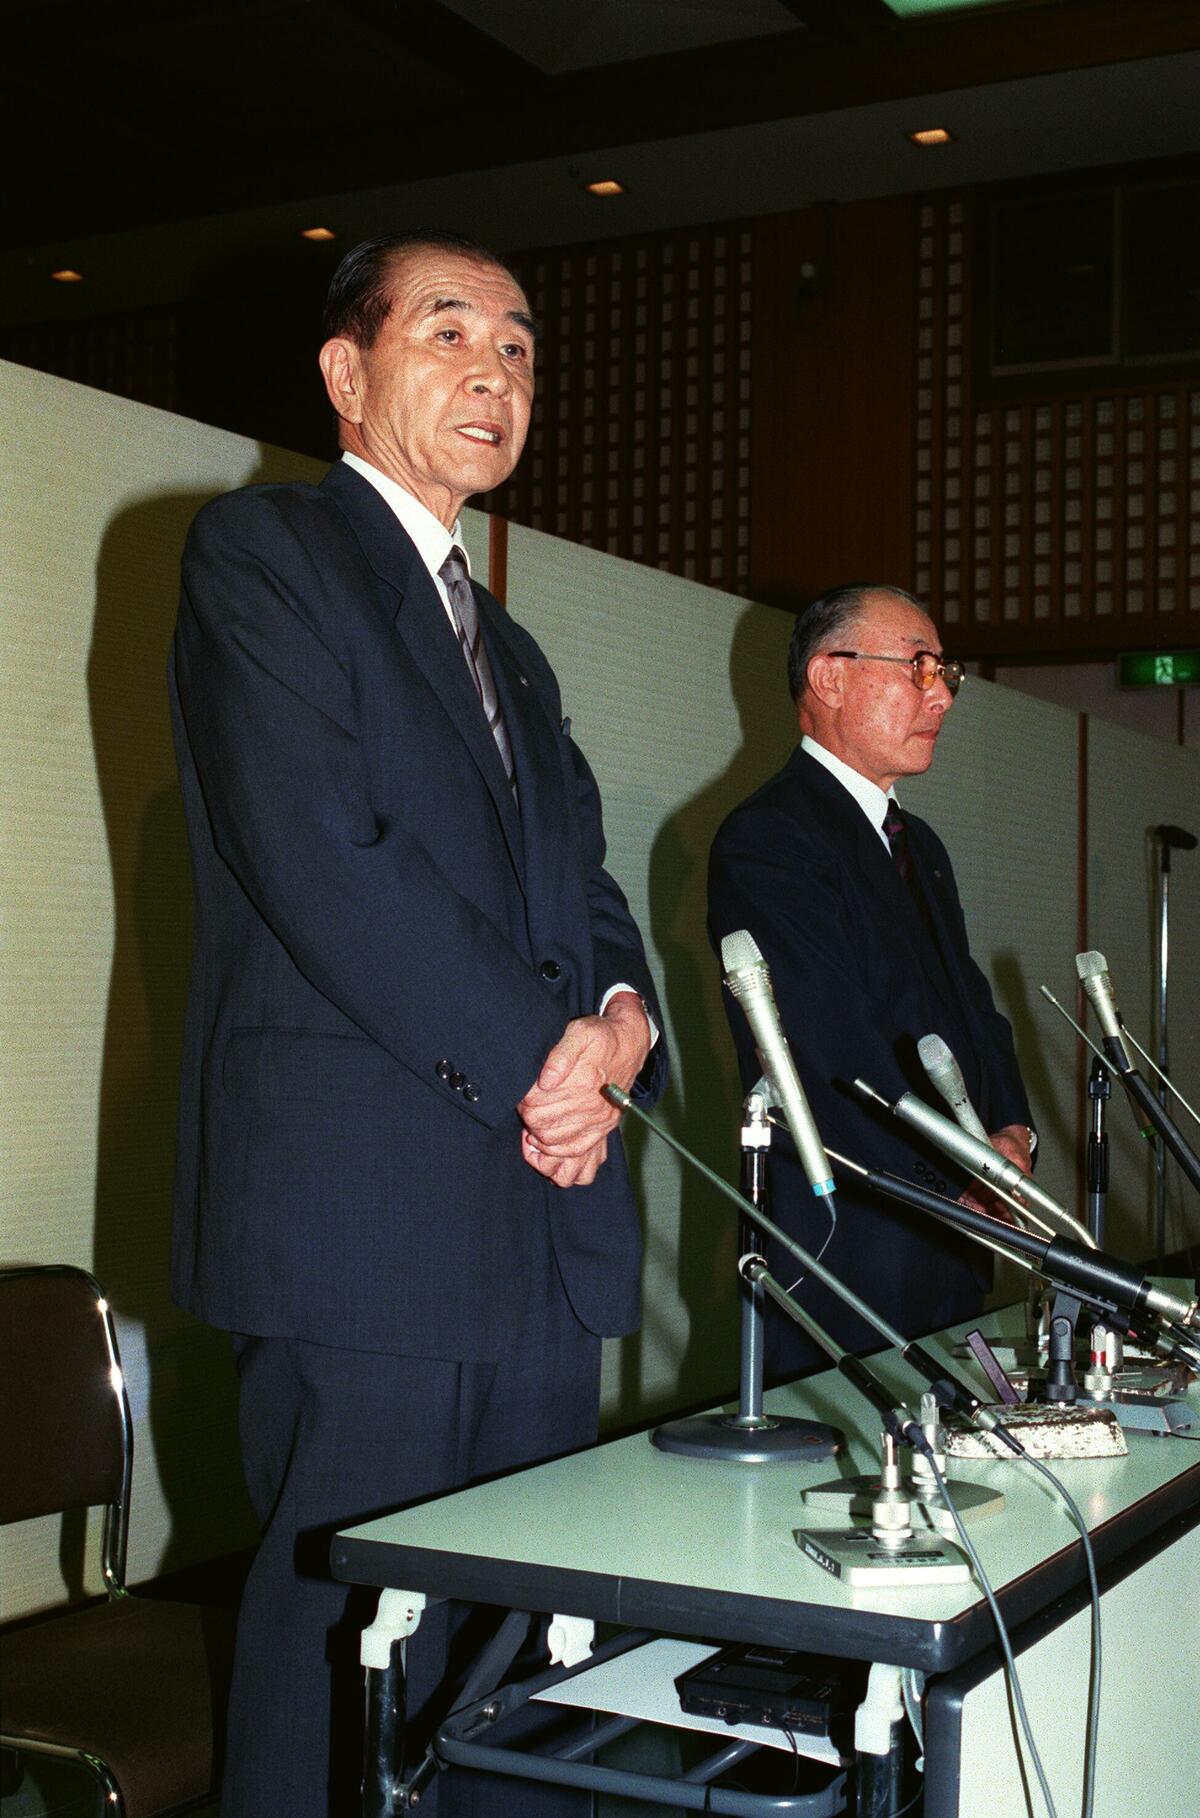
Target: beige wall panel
point(677, 696)
point(1134, 783)
point(95, 897)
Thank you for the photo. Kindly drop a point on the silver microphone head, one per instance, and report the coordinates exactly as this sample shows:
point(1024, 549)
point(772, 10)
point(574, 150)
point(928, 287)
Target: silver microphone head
point(944, 1072)
point(740, 950)
point(745, 968)
point(935, 1054)
point(1092, 968)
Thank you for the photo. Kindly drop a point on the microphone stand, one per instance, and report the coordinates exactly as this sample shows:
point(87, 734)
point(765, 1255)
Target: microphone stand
point(948, 1389)
point(889, 1552)
point(1167, 839)
point(1107, 1343)
point(1160, 1148)
point(1099, 1092)
point(750, 1436)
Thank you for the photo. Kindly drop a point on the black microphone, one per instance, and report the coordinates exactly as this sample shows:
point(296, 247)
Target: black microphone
point(1178, 837)
point(1094, 1275)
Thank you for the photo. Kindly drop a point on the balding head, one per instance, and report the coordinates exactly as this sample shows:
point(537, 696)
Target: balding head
point(851, 661)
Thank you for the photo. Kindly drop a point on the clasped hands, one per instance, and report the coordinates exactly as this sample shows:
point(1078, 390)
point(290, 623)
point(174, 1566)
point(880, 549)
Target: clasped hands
point(567, 1121)
point(1013, 1144)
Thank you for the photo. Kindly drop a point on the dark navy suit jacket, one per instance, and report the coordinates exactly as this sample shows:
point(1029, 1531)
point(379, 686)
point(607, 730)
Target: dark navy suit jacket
point(859, 979)
point(385, 948)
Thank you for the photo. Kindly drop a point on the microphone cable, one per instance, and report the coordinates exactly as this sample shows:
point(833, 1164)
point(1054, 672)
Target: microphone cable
point(972, 1553)
point(1093, 1709)
point(1094, 1676)
point(830, 1204)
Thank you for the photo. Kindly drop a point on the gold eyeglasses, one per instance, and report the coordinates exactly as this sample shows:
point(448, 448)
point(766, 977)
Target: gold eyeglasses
point(925, 668)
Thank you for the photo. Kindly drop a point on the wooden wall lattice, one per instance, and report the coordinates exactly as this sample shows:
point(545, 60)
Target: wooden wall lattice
point(131, 356)
point(1037, 519)
point(640, 440)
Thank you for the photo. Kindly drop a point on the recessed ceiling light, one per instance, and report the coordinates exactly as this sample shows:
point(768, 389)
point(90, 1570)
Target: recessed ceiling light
point(607, 186)
point(67, 277)
point(317, 233)
point(933, 135)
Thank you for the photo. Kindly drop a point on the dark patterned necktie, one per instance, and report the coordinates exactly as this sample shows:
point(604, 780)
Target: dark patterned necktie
point(896, 834)
point(896, 830)
point(453, 572)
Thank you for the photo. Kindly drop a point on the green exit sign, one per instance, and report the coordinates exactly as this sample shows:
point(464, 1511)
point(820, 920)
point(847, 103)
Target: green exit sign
point(1158, 668)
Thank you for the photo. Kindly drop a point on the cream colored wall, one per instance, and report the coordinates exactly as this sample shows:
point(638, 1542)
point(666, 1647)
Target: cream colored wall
point(677, 696)
point(96, 902)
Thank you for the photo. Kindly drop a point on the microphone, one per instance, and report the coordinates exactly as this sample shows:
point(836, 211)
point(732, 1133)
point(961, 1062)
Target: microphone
point(976, 1156)
point(1178, 837)
point(946, 1074)
point(1095, 1275)
point(946, 1387)
point(1092, 968)
point(749, 979)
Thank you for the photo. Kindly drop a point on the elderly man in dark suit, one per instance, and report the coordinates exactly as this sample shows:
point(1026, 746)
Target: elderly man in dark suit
point(855, 909)
point(398, 1184)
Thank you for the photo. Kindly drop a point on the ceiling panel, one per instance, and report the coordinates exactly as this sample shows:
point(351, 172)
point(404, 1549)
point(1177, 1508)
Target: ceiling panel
point(591, 33)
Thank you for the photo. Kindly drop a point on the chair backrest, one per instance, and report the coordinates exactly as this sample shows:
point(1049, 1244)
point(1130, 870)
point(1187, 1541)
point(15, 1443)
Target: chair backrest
point(65, 1432)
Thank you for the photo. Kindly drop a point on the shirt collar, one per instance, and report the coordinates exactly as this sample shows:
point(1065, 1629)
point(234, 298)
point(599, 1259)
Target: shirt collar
point(869, 796)
point(433, 541)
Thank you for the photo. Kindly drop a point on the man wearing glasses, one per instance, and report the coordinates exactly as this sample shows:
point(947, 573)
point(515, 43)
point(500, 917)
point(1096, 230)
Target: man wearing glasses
point(855, 909)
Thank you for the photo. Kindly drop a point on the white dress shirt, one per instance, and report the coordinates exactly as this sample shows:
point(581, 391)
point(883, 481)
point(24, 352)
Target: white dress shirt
point(434, 542)
point(869, 796)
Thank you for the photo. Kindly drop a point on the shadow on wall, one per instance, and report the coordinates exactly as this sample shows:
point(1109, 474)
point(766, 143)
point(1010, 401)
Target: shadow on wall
point(187, 1381)
point(1028, 1017)
point(702, 1106)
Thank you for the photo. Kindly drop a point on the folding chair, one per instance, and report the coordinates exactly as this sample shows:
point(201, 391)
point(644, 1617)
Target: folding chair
point(129, 1686)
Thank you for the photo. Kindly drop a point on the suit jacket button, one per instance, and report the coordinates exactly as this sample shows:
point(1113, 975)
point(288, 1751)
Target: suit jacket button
point(457, 1081)
point(550, 970)
point(470, 1092)
point(444, 1069)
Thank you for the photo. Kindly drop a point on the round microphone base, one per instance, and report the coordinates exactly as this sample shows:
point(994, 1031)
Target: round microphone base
point(750, 1441)
point(855, 1496)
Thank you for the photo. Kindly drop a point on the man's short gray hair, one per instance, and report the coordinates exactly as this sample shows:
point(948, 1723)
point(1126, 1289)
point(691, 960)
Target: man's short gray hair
point(830, 621)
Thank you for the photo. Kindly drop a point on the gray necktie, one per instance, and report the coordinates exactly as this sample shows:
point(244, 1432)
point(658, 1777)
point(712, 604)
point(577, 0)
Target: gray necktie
point(453, 572)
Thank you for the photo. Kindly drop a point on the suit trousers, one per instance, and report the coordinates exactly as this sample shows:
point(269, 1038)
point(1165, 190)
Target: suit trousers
point(331, 1437)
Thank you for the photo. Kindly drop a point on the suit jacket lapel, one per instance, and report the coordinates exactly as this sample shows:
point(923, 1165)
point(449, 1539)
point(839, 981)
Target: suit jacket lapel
point(886, 882)
point(948, 975)
point(425, 628)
